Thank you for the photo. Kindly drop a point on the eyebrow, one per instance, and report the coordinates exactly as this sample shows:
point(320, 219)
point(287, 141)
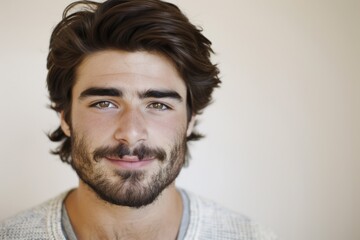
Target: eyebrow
point(151, 93)
point(114, 92)
point(111, 92)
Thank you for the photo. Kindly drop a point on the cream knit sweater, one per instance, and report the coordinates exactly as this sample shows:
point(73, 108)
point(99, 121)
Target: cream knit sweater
point(207, 221)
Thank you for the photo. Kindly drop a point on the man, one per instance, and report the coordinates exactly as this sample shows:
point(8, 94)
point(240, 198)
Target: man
point(128, 78)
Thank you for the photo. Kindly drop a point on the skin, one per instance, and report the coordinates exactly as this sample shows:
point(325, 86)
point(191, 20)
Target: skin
point(133, 120)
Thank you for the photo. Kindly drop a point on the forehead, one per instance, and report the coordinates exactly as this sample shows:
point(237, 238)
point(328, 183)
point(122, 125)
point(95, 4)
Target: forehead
point(130, 71)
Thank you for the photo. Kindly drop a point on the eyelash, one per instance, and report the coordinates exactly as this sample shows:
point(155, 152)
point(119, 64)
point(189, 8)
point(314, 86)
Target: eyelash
point(163, 107)
point(97, 105)
point(160, 106)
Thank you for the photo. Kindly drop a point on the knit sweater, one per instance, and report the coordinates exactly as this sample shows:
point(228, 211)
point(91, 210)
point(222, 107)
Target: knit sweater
point(208, 221)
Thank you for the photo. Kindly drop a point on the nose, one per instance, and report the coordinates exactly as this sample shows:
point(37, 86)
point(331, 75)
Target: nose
point(131, 127)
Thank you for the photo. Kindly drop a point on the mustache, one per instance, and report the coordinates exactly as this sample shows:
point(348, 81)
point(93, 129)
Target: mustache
point(122, 150)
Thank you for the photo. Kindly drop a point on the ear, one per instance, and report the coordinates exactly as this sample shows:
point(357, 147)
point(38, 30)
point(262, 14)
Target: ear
point(64, 125)
point(191, 125)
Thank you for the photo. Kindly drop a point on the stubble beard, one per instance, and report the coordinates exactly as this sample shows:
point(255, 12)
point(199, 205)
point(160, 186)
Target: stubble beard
point(131, 188)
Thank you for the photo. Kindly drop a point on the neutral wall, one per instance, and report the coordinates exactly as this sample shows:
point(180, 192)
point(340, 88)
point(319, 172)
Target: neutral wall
point(283, 135)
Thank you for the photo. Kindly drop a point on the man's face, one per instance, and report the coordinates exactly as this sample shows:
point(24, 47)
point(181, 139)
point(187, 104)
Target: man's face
point(128, 125)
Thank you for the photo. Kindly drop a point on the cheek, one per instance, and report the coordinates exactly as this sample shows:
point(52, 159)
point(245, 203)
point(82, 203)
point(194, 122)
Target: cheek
point(93, 126)
point(167, 129)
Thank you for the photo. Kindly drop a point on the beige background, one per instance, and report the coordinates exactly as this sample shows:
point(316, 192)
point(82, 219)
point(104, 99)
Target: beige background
point(283, 135)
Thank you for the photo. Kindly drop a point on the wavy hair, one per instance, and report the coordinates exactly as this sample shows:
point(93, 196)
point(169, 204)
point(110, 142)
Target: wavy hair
point(130, 25)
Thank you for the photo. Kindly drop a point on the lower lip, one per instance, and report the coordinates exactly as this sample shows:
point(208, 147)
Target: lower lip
point(131, 164)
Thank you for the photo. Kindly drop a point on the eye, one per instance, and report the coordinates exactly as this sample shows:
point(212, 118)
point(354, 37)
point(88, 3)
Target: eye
point(159, 106)
point(103, 105)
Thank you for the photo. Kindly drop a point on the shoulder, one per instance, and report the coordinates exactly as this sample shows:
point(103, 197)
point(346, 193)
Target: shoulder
point(36, 223)
point(209, 220)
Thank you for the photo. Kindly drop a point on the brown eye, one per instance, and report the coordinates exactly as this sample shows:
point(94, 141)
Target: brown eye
point(104, 105)
point(158, 106)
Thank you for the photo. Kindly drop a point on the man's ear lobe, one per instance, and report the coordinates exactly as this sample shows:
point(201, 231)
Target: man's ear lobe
point(64, 125)
point(191, 125)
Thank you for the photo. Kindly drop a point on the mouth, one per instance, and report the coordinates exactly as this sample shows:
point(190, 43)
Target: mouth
point(130, 162)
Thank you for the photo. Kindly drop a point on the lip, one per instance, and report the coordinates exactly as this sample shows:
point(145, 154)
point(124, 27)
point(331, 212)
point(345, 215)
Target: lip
point(130, 162)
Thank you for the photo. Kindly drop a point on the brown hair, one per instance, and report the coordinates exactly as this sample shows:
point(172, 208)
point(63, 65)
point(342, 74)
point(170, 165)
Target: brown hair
point(129, 25)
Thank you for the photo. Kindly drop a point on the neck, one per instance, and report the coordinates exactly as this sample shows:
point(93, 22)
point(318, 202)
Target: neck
point(93, 218)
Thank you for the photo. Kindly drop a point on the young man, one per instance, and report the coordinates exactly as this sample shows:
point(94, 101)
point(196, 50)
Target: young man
point(128, 78)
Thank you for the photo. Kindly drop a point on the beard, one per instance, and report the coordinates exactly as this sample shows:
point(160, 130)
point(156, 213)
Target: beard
point(131, 188)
